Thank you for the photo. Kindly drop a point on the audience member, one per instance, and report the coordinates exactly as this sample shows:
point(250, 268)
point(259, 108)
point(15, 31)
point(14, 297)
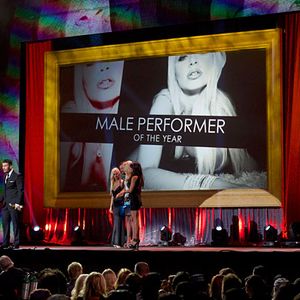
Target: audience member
point(40, 294)
point(11, 279)
point(297, 285)
point(278, 282)
point(199, 285)
point(256, 288)
point(54, 280)
point(184, 290)
point(234, 294)
point(74, 270)
point(141, 268)
point(134, 283)
point(215, 289)
point(59, 297)
point(285, 292)
point(168, 296)
point(110, 279)
point(77, 291)
point(165, 287)
point(297, 297)
point(230, 281)
point(180, 277)
point(121, 277)
point(94, 287)
point(225, 271)
point(120, 295)
point(150, 286)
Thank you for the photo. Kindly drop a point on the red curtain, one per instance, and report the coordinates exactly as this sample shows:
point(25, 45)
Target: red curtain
point(34, 133)
point(291, 84)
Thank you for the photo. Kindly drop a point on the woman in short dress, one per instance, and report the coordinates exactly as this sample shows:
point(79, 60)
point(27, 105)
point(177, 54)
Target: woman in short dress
point(116, 208)
point(134, 181)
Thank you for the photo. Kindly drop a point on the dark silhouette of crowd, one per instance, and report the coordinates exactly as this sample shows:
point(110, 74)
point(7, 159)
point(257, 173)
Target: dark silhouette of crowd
point(143, 284)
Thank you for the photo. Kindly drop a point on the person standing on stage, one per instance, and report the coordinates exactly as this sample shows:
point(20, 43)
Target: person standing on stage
point(134, 181)
point(116, 208)
point(12, 203)
point(126, 205)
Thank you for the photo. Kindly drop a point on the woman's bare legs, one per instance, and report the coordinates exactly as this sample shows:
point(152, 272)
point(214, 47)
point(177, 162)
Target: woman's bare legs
point(128, 224)
point(135, 226)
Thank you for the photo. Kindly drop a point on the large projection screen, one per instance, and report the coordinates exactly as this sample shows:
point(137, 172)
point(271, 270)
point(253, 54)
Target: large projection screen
point(201, 114)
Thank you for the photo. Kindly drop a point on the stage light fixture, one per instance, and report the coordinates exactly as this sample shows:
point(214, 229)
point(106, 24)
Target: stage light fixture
point(270, 234)
point(178, 239)
point(165, 235)
point(219, 236)
point(77, 237)
point(36, 234)
point(76, 228)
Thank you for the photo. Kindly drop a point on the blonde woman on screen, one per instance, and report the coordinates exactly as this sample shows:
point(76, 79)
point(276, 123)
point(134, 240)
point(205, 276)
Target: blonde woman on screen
point(97, 87)
point(192, 90)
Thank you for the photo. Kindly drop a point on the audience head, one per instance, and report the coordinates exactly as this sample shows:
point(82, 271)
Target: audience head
point(297, 297)
point(199, 284)
point(134, 283)
point(230, 281)
point(259, 270)
point(54, 280)
point(74, 270)
point(5, 263)
point(94, 285)
point(121, 277)
point(234, 294)
point(215, 289)
point(285, 292)
point(280, 281)
point(255, 287)
point(120, 295)
point(225, 271)
point(180, 277)
point(297, 285)
point(77, 290)
point(110, 279)
point(165, 286)
point(150, 286)
point(168, 296)
point(40, 294)
point(141, 268)
point(59, 297)
point(183, 290)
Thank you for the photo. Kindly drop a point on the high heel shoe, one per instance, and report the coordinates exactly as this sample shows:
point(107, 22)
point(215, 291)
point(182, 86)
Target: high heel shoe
point(135, 245)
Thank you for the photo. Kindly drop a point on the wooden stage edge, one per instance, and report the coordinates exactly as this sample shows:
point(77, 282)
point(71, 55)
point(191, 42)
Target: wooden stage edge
point(160, 248)
point(163, 259)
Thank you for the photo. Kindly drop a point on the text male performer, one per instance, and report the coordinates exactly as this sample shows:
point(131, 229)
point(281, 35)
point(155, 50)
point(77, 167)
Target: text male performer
point(12, 203)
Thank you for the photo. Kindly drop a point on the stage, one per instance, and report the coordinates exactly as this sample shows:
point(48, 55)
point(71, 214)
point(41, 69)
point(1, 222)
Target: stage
point(165, 260)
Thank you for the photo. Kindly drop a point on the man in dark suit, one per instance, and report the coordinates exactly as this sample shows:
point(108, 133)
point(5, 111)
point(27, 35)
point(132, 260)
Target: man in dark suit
point(12, 203)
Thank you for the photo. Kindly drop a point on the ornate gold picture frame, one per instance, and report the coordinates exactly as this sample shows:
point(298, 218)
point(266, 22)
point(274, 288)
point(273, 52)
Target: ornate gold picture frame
point(266, 40)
